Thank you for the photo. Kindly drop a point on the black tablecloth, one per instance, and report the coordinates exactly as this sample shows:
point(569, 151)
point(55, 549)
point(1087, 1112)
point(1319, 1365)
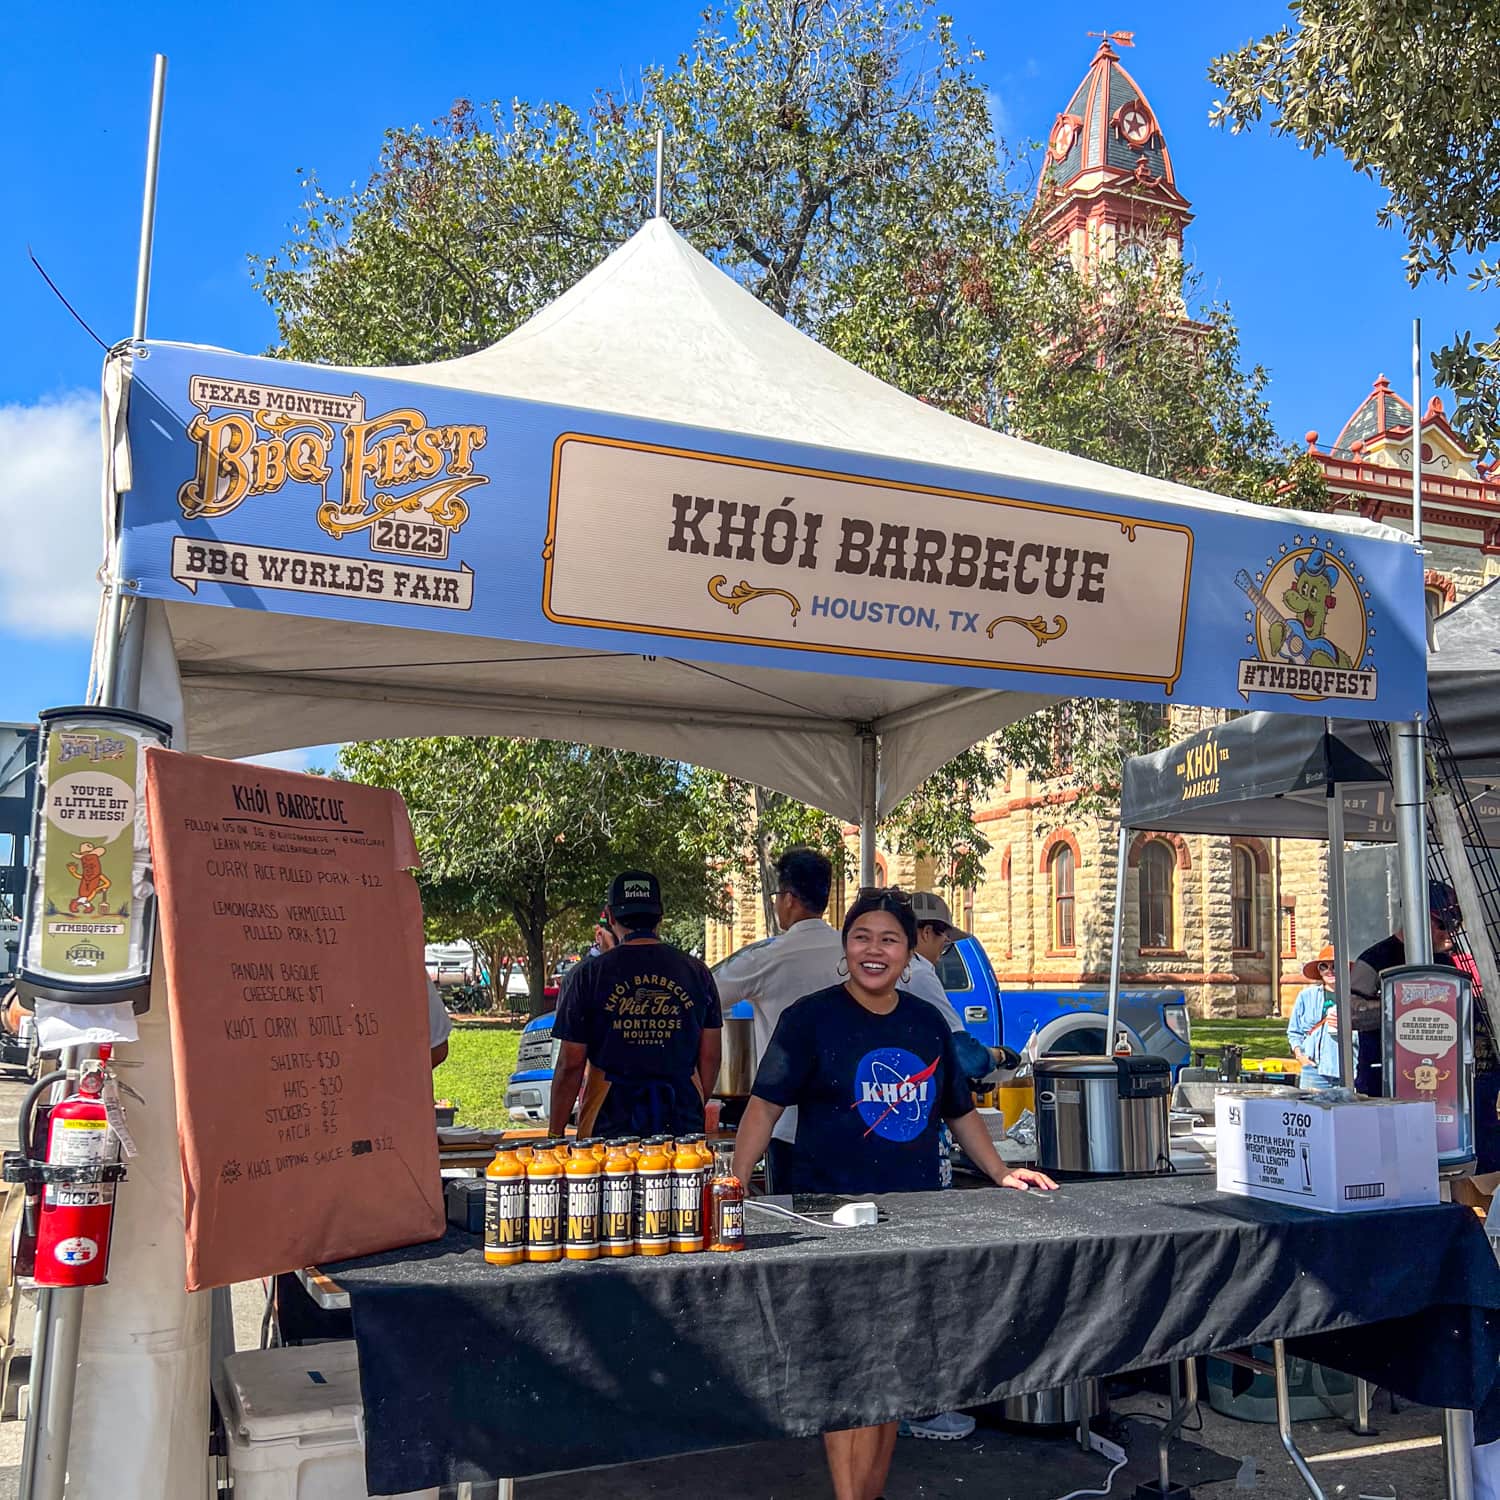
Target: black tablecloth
point(470, 1371)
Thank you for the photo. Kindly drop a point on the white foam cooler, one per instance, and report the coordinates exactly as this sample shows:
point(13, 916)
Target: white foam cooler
point(295, 1420)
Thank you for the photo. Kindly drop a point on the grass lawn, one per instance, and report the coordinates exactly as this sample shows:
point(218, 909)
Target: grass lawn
point(480, 1062)
point(1263, 1037)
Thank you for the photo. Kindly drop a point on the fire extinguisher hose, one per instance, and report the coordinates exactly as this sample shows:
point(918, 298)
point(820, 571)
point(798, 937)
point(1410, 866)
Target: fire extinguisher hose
point(23, 1120)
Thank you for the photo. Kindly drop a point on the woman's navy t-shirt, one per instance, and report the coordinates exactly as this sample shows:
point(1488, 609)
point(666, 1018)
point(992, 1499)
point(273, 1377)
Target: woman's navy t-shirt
point(871, 1092)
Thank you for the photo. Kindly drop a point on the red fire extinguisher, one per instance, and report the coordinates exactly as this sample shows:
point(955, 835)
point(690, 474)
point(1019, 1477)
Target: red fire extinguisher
point(78, 1199)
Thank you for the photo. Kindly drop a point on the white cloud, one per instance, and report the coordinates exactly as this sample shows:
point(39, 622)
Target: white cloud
point(306, 758)
point(49, 517)
point(1000, 121)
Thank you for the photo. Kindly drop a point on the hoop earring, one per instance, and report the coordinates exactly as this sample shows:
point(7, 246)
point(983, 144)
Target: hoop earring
point(843, 969)
point(906, 974)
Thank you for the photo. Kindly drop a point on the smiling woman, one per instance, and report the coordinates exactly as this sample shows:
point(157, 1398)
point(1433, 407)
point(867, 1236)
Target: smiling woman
point(868, 1066)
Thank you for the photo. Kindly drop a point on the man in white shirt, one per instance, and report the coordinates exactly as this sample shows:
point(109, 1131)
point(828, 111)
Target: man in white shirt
point(439, 1023)
point(804, 957)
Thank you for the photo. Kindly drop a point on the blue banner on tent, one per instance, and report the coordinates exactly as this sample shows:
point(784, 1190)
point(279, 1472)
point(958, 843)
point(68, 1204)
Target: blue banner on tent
point(291, 489)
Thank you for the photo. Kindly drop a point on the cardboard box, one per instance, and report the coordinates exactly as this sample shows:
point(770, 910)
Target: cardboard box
point(1339, 1158)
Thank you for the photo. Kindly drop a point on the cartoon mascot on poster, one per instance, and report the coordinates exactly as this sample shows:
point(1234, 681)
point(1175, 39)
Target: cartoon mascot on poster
point(1311, 599)
point(93, 884)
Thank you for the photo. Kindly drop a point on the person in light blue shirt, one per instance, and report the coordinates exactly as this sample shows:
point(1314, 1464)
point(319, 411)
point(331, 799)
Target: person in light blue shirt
point(1313, 1030)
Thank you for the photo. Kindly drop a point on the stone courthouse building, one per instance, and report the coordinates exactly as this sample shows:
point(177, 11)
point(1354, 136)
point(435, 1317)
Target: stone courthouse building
point(1230, 922)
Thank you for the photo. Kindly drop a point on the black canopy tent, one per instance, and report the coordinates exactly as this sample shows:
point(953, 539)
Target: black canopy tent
point(1463, 687)
point(1280, 776)
point(1272, 775)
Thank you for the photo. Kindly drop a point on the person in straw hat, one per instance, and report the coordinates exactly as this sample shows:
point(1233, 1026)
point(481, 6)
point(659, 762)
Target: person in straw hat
point(1313, 1030)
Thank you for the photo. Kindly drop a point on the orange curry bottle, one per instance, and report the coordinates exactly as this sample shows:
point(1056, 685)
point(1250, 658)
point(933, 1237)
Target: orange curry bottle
point(617, 1202)
point(653, 1235)
point(582, 1172)
point(687, 1198)
point(544, 1230)
point(505, 1208)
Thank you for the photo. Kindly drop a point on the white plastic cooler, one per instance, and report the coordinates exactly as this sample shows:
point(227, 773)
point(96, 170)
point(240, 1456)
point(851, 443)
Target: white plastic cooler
point(295, 1421)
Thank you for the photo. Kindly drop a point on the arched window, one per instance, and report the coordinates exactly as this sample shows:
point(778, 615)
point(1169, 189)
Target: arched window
point(1060, 873)
point(1242, 898)
point(1155, 896)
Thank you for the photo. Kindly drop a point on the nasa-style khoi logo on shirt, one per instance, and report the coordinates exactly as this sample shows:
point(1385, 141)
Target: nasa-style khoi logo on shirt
point(894, 1092)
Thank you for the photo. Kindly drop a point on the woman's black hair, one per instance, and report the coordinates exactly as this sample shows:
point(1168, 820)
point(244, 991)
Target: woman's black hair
point(890, 899)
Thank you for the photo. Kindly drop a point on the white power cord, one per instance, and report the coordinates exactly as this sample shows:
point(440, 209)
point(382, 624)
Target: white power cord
point(1108, 1483)
point(788, 1213)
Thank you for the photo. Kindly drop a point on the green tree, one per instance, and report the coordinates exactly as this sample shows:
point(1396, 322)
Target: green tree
point(1408, 92)
point(840, 161)
point(795, 129)
point(530, 833)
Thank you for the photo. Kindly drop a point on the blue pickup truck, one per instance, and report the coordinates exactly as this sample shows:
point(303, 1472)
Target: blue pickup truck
point(1063, 1020)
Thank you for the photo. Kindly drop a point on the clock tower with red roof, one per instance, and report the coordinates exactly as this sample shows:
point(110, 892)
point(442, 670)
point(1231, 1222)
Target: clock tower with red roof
point(1107, 186)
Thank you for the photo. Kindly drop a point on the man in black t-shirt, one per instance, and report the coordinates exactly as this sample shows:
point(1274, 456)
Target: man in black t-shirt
point(872, 1092)
point(645, 1017)
point(1390, 953)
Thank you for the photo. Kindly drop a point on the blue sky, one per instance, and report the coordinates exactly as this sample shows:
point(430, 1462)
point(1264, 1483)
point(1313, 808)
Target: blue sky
point(257, 96)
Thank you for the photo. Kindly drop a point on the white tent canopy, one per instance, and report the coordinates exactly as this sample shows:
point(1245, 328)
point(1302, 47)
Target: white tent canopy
point(655, 331)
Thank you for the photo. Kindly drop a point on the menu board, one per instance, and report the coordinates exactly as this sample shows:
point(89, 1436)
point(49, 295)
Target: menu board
point(292, 938)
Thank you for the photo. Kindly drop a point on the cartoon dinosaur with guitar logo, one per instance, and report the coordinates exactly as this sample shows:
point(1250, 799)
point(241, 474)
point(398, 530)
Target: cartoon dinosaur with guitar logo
point(1299, 637)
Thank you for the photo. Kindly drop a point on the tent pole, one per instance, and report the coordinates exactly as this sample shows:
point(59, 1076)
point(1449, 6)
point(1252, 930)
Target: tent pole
point(109, 666)
point(1338, 914)
point(1409, 772)
point(54, 1375)
point(1112, 1015)
point(1411, 838)
point(869, 778)
point(1416, 433)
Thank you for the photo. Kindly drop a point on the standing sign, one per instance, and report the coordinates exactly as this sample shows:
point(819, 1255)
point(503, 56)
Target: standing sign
point(1428, 1036)
point(292, 939)
point(90, 919)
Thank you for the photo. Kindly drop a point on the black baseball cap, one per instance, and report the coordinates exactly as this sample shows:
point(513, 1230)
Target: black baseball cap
point(1442, 902)
point(634, 893)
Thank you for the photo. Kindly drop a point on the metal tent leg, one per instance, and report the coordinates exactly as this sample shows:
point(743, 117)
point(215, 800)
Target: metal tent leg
point(1363, 1390)
point(1184, 1387)
point(869, 804)
point(1458, 1453)
point(1112, 1012)
point(1284, 1420)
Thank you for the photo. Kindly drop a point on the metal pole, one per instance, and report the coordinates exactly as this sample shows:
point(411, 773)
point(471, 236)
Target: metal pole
point(1458, 1453)
point(148, 200)
point(1112, 1011)
point(52, 1396)
point(1416, 430)
point(1284, 1420)
point(55, 1373)
point(1411, 826)
point(869, 781)
point(54, 1365)
point(114, 603)
point(1411, 838)
point(1338, 911)
point(661, 137)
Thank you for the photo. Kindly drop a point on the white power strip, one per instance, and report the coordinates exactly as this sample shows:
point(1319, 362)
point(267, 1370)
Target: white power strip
point(1106, 1449)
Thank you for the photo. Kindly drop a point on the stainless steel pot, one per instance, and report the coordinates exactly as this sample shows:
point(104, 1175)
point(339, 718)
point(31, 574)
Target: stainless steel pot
point(1062, 1406)
point(1103, 1116)
point(737, 1060)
